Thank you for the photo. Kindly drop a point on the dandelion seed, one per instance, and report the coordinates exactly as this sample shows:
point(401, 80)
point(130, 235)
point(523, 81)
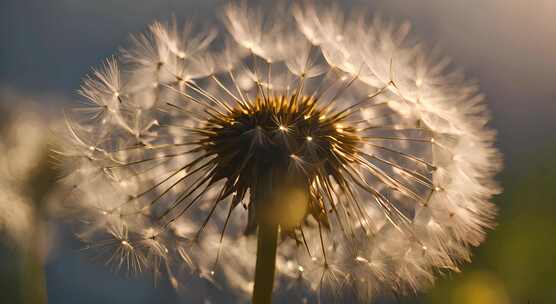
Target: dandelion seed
point(320, 126)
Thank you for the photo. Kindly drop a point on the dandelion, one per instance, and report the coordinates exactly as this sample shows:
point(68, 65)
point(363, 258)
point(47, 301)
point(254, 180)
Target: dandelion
point(26, 186)
point(23, 155)
point(358, 163)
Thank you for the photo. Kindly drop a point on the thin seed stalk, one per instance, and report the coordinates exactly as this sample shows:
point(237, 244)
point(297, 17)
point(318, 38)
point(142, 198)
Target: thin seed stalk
point(267, 239)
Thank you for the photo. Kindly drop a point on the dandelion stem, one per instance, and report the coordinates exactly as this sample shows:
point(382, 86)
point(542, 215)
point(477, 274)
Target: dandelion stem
point(267, 238)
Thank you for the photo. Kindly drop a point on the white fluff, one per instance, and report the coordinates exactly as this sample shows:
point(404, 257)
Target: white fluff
point(429, 157)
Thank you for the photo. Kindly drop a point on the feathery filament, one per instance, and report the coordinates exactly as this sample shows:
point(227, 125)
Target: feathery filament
point(374, 162)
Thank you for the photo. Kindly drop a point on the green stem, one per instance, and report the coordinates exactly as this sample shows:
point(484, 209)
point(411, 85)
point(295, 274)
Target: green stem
point(33, 285)
point(267, 239)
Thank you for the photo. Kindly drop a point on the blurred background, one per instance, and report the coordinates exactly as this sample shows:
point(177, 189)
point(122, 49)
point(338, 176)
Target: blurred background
point(508, 46)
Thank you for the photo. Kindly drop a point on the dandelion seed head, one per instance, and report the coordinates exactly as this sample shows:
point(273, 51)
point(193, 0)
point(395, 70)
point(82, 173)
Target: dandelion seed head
point(315, 122)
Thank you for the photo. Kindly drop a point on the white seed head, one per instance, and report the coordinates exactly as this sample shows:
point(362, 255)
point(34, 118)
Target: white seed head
point(391, 182)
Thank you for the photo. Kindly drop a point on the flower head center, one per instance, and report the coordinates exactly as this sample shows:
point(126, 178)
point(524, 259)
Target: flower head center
point(280, 144)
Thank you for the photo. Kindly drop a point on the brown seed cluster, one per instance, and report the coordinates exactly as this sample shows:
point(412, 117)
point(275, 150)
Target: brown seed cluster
point(277, 147)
